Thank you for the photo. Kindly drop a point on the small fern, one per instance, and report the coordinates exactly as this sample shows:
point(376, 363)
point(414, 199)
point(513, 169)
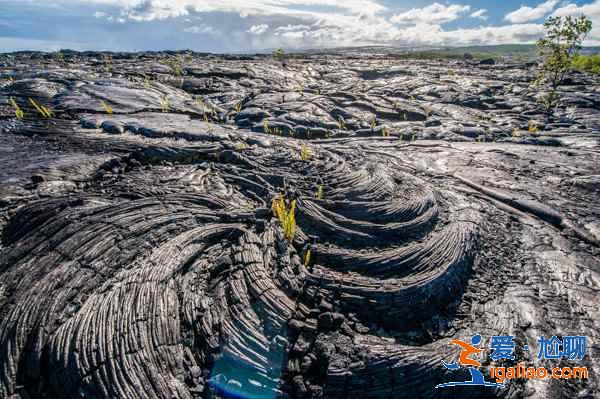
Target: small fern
point(19, 114)
point(107, 58)
point(240, 146)
point(532, 127)
point(107, 108)
point(305, 153)
point(307, 256)
point(164, 104)
point(45, 112)
point(373, 123)
point(286, 216)
point(266, 127)
point(176, 66)
point(320, 193)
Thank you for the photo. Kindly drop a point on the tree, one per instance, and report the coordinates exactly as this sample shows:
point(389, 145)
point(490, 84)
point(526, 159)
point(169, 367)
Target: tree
point(278, 54)
point(562, 42)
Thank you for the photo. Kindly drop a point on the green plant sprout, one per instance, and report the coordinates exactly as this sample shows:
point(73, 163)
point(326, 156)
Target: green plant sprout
point(266, 127)
point(373, 123)
point(286, 216)
point(107, 58)
point(384, 132)
point(164, 104)
point(45, 112)
point(532, 127)
point(307, 256)
point(176, 66)
point(341, 123)
point(107, 108)
point(238, 107)
point(319, 194)
point(305, 153)
point(240, 146)
point(19, 114)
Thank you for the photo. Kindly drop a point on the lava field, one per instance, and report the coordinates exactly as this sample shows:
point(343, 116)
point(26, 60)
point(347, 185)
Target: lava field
point(143, 254)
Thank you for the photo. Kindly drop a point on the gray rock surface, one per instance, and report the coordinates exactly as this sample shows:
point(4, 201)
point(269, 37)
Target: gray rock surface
point(140, 257)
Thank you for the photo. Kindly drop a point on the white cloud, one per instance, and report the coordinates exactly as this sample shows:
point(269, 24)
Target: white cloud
point(203, 30)
point(507, 34)
point(347, 33)
point(289, 28)
point(160, 9)
point(433, 14)
point(479, 14)
point(592, 11)
point(526, 14)
point(246, 25)
point(258, 29)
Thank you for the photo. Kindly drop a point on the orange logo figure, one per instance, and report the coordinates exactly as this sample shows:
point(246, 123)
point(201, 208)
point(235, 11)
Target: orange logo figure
point(467, 350)
point(465, 360)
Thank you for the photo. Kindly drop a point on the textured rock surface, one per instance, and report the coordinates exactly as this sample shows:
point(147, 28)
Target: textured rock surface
point(140, 257)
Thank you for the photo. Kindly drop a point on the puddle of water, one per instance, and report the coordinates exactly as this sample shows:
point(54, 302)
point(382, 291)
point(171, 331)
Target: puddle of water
point(234, 376)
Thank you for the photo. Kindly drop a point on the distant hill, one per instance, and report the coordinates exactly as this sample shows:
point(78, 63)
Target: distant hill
point(522, 51)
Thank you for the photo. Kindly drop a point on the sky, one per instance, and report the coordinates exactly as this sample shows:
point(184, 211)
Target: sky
point(223, 26)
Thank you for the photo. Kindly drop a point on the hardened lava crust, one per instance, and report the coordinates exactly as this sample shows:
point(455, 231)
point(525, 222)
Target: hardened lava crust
point(141, 255)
